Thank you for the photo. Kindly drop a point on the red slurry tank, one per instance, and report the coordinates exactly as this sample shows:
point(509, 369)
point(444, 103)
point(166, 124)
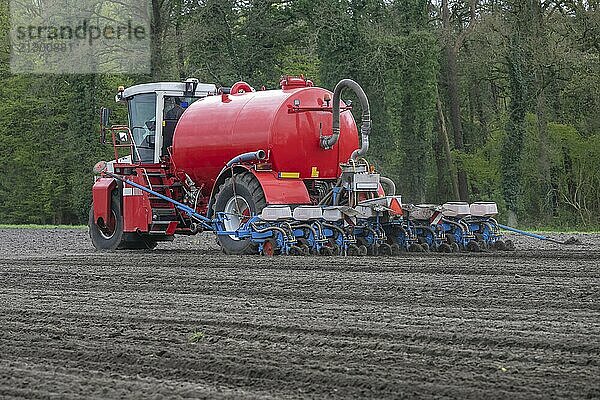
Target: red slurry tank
point(286, 123)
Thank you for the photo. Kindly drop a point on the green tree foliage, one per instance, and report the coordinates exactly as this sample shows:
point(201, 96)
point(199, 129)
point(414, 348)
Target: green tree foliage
point(519, 98)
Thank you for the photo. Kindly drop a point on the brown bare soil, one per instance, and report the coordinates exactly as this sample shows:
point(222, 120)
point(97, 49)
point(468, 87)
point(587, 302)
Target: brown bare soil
point(184, 321)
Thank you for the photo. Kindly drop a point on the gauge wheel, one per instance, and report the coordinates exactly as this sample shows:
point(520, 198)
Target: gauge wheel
point(500, 245)
point(240, 197)
point(473, 246)
point(385, 249)
point(353, 250)
point(444, 248)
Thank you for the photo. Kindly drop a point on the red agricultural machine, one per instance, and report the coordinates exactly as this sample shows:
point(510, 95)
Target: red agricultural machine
point(269, 171)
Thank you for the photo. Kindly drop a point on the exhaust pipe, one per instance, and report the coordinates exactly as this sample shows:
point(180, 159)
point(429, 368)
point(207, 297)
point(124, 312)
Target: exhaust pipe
point(365, 127)
point(251, 156)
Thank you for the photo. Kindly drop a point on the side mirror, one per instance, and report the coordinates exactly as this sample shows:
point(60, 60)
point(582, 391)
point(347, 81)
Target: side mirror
point(104, 122)
point(122, 138)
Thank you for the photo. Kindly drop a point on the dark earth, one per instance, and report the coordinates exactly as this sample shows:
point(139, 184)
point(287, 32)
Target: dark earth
point(184, 321)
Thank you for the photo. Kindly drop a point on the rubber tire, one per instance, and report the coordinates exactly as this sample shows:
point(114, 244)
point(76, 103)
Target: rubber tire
point(362, 250)
point(373, 250)
point(120, 240)
point(385, 250)
point(249, 188)
point(473, 247)
point(444, 248)
point(326, 251)
point(100, 242)
point(510, 245)
point(353, 250)
point(500, 245)
point(415, 248)
point(296, 251)
point(455, 247)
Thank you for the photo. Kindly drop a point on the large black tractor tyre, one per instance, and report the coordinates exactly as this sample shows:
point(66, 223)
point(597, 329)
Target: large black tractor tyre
point(110, 236)
point(241, 195)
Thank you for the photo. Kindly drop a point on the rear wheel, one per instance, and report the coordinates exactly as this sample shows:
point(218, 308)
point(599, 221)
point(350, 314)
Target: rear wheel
point(241, 197)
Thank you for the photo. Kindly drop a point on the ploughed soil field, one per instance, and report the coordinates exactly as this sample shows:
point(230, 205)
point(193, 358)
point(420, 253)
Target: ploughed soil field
point(184, 321)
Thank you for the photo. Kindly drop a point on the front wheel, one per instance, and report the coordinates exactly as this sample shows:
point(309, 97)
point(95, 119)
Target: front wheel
point(240, 198)
point(107, 235)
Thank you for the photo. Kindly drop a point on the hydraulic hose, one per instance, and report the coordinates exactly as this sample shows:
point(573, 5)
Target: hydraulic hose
point(571, 240)
point(335, 228)
point(390, 183)
point(365, 127)
point(464, 231)
point(251, 156)
point(269, 229)
point(305, 226)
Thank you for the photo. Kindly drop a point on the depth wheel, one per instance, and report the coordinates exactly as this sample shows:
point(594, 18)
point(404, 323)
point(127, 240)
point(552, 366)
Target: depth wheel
point(296, 251)
point(510, 246)
point(444, 248)
point(473, 246)
point(373, 250)
point(385, 249)
point(353, 250)
point(241, 197)
point(415, 248)
point(326, 251)
point(500, 245)
point(362, 250)
point(335, 248)
point(455, 247)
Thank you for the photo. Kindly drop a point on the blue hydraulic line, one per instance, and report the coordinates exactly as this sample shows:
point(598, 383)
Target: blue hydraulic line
point(206, 222)
point(533, 235)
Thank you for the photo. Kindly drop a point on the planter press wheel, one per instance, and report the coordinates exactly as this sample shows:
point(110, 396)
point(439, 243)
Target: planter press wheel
point(353, 250)
point(444, 248)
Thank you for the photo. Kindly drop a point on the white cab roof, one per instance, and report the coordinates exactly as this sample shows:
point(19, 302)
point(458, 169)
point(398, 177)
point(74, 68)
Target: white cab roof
point(202, 89)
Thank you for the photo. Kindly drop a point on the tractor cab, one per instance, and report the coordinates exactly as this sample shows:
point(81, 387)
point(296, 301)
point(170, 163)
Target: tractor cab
point(154, 110)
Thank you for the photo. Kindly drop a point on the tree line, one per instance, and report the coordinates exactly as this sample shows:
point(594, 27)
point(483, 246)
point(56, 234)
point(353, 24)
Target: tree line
point(471, 99)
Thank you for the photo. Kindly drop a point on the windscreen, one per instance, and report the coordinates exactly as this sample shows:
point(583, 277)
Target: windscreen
point(142, 121)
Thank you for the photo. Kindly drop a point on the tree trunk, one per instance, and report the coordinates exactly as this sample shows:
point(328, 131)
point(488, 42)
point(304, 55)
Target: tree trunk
point(443, 132)
point(156, 36)
point(454, 98)
point(512, 148)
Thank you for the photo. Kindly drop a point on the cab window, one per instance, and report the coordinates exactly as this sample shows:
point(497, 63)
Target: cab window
point(174, 108)
point(142, 122)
